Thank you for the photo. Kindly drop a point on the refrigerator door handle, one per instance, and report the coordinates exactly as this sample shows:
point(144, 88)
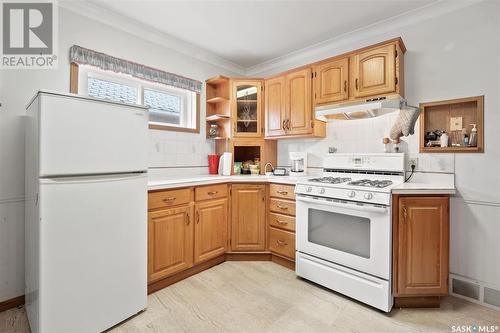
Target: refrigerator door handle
point(83, 179)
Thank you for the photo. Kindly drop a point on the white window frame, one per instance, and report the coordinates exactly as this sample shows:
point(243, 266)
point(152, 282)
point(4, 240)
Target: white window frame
point(189, 99)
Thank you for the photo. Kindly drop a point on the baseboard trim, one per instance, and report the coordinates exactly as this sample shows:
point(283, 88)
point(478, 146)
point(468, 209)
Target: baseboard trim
point(282, 261)
point(155, 286)
point(12, 303)
point(248, 256)
point(417, 302)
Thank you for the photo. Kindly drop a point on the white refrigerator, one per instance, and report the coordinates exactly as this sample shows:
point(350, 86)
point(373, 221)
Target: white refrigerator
point(86, 213)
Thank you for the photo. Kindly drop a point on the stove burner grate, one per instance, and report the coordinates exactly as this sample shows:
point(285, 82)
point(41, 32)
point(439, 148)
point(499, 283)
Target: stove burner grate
point(330, 180)
point(371, 183)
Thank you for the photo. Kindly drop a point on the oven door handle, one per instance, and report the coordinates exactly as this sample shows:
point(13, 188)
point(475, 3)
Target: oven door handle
point(365, 208)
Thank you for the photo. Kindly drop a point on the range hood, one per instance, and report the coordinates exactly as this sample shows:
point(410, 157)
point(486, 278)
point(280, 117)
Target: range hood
point(368, 108)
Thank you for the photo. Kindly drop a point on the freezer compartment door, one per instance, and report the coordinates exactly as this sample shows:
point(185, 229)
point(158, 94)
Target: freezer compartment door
point(84, 136)
point(93, 251)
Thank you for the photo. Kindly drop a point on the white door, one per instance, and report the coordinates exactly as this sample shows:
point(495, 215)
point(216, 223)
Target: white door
point(353, 235)
point(81, 136)
point(93, 251)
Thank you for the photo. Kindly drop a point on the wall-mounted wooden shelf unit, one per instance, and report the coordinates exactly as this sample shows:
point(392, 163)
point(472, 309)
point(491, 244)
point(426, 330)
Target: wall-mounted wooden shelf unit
point(438, 116)
point(218, 110)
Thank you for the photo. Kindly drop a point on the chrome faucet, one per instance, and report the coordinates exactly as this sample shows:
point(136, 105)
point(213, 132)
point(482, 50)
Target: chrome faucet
point(265, 167)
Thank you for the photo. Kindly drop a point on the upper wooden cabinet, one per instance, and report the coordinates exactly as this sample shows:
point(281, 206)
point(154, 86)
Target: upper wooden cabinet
point(289, 111)
point(275, 96)
point(421, 246)
point(298, 102)
point(374, 71)
point(210, 231)
point(248, 221)
point(246, 108)
point(331, 81)
point(170, 241)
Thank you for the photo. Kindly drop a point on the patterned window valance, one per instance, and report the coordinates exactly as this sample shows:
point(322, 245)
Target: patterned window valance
point(83, 56)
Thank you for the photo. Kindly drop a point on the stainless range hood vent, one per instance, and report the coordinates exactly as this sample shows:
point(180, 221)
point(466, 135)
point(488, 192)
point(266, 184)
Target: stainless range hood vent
point(368, 108)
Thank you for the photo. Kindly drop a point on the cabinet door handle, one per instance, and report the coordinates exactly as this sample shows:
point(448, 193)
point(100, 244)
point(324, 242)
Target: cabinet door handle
point(197, 217)
point(212, 192)
point(282, 192)
point(345, 86)
point(281, 242)
point(288, 124)
point(282, 222)
point(405, 214)
point(283, 125)
point(169, 200)
point(188, 218)
point(356, 83)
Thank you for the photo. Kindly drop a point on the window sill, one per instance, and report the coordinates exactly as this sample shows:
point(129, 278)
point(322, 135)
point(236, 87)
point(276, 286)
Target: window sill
point(174, 128)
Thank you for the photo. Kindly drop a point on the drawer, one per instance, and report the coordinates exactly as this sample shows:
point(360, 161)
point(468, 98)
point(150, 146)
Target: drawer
point(282, 206)
point(210, 192)
point(282, 242)
point(169, 198)
point(282, 221)
point(282, 191)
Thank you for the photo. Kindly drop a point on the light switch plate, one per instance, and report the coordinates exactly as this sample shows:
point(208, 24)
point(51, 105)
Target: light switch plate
point(456, 124)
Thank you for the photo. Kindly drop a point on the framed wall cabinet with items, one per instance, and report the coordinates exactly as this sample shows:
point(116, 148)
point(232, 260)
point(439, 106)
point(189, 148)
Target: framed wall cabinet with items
point(452, 126)
point(173, 100)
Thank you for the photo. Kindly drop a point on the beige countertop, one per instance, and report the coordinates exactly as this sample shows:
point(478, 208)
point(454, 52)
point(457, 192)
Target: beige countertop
point(187, 181)
point(420, 183)
point(428, 183)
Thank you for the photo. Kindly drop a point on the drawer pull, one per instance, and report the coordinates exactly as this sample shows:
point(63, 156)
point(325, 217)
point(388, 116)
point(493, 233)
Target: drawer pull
point(169, 200)
point(282, 222)
point(282, 207)
point(212, 192)
point(282, 192)
point(281, 242)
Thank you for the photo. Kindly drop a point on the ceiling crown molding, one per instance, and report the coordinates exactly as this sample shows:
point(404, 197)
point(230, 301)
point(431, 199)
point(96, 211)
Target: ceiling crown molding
point(133, 27)
point(343, 43)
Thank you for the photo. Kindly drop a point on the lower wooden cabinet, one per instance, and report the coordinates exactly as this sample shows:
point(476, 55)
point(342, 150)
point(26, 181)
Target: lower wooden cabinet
point(282, 242)
point(170, 241)
point(210, 230)
point(421, 246)
point(248, 220)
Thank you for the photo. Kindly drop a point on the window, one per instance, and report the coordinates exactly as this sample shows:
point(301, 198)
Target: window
point(169, 107)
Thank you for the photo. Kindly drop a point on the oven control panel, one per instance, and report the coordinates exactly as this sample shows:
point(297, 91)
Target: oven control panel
point(382, 198)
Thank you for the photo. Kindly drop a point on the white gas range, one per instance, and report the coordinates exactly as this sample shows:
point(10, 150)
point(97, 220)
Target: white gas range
point(344, 225)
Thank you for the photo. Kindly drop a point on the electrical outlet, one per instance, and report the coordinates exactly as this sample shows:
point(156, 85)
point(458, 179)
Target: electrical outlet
point(412, 161)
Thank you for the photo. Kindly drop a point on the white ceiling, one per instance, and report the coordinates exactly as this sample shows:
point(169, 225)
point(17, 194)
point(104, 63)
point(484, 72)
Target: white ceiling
point(248, 33)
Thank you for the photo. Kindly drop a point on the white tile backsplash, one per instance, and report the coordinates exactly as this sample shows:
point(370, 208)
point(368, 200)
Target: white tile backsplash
point(363, 136)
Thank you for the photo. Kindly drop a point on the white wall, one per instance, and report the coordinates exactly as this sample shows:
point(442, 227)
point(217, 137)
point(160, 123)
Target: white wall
point(451, 56)
point(186, 152)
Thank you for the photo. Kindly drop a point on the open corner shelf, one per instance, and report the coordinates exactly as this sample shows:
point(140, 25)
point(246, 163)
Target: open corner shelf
point(438, 116)
point(218, 117)
point(217, 99)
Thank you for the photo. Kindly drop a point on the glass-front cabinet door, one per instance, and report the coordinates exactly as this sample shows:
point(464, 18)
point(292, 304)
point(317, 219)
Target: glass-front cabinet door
point(247, 108)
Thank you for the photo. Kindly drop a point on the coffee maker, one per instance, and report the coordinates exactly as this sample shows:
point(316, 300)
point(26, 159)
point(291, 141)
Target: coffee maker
point(298, 163)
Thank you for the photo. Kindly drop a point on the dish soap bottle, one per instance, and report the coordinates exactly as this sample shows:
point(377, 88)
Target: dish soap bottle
point(444, 139)
point(473, 136)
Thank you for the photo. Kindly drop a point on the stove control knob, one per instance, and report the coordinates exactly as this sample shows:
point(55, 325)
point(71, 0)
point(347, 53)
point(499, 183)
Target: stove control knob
point(368, 196)
point(321, 190)
point(309, 189)
point(351, 194)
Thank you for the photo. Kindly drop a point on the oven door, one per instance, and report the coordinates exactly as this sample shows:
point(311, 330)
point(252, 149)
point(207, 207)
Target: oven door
point(355, 235)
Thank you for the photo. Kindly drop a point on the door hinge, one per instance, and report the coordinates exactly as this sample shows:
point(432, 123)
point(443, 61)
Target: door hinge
point(312, 123)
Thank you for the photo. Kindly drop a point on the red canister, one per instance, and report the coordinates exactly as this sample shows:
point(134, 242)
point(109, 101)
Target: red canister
point(213, 164)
